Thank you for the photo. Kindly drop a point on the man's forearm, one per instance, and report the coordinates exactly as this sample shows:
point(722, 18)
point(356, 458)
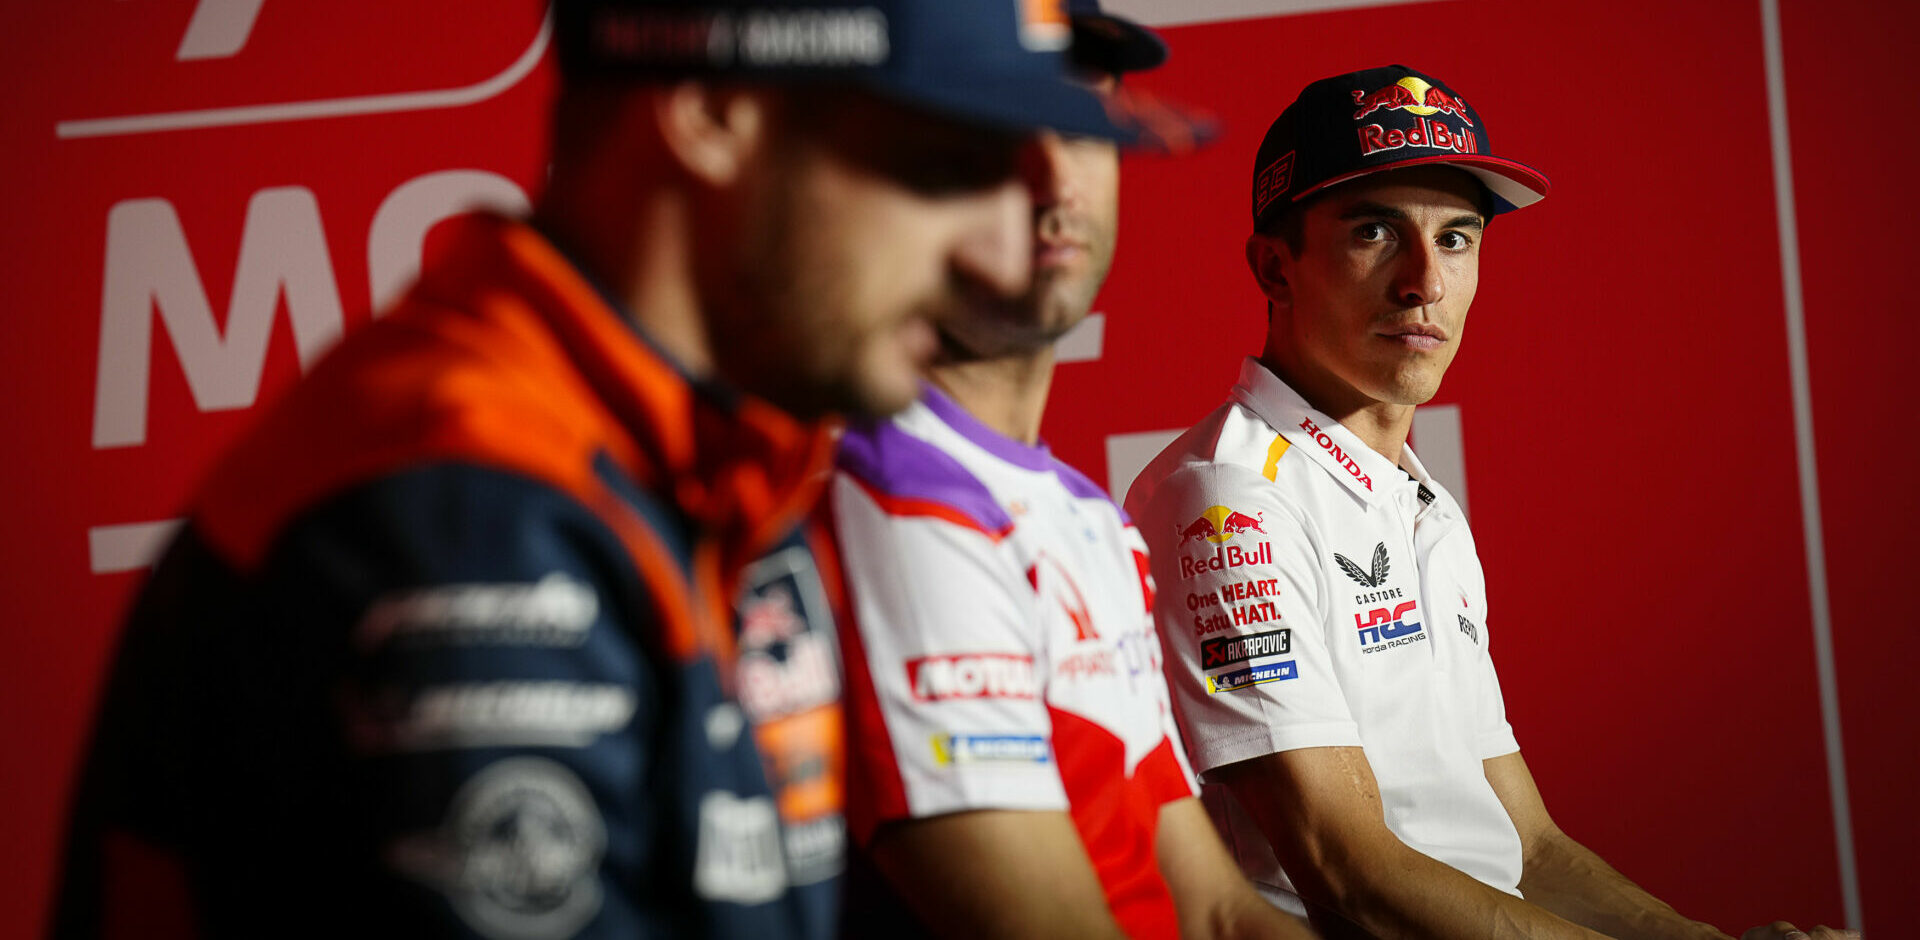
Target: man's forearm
point(1396, 892)
point(1572, 881)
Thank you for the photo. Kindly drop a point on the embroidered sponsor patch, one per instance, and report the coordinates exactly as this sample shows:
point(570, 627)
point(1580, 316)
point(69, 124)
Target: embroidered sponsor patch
point(1252, 676)
point(951, 749)
point(1227, 650)
point(518, 854)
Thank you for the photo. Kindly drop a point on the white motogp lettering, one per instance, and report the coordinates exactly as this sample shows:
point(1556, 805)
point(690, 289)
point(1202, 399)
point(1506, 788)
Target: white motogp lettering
point(282, 253)
point(148, 266)
point(219, 29)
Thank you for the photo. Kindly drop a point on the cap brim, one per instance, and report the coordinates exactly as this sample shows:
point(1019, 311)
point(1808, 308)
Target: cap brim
point(1514, 185)
point(1129, 118)
point(1112, 44)
point(1015, 104)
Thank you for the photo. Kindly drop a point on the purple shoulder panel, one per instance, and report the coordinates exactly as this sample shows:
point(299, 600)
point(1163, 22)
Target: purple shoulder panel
point(895, 464)
point(1081, 487)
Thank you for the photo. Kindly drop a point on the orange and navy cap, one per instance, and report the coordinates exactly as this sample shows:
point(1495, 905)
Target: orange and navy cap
point(1112, 43)
point(1363, 122)
point(997, 62)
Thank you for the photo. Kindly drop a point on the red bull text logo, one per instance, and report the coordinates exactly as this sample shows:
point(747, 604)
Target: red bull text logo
point(1335, 451)
point(1226, 557)
point(1220, 523)
point(1412, 95)
point(1423, 133)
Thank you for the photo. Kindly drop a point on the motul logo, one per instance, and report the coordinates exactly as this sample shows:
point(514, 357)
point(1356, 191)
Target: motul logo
point(972, 675)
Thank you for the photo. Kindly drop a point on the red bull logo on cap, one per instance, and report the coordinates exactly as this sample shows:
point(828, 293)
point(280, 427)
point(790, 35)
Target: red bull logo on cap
point(1413, 95)
point(1220, 523)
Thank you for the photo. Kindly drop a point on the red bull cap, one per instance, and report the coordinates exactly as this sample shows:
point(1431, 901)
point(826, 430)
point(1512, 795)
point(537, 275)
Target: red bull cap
point(1363, 122)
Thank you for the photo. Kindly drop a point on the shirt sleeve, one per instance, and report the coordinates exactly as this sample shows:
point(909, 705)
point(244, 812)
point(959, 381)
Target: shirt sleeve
point(1240, 609)
point(947, 710)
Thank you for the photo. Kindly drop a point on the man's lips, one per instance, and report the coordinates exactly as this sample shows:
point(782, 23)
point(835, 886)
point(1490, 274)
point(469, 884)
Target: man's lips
point(1416, 335)
point(1048, 252)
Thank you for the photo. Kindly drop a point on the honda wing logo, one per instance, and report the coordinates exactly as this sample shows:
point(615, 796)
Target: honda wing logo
point(1373, 579)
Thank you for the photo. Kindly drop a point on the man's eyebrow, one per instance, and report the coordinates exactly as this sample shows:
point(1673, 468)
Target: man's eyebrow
point(1374, 210)
point(1371, 210)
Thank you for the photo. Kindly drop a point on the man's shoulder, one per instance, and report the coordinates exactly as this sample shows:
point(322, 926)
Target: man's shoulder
point(1233, 451)
point(908, 476)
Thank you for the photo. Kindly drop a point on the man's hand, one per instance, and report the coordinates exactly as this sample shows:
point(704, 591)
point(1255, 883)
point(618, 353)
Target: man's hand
point(1781, 930)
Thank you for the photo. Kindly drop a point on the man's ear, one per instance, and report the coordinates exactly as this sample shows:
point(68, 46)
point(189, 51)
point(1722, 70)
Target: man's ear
point(1268, 257)
point(713, 132)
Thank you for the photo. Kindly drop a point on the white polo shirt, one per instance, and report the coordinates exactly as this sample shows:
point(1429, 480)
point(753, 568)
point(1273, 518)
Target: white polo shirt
point(1312, 594)
point(1001, 651)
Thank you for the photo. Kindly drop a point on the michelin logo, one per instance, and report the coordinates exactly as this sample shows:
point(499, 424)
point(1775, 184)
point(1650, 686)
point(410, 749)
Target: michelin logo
point(951, 749)
point(1256, 675)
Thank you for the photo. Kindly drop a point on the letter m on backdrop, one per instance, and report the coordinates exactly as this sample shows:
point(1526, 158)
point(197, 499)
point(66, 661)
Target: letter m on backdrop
point(149, 267)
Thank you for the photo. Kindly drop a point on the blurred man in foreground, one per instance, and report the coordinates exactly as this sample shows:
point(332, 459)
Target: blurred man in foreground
point(444, 648)
point(1323, 608)
point(1016, 772)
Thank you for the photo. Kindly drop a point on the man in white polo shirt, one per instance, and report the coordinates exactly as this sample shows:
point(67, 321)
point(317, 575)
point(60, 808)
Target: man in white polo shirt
point(1321, 601)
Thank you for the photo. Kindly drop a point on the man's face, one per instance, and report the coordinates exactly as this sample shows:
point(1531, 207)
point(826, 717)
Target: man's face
point(1376, 293)
point(870, 222)
point(1075, 182)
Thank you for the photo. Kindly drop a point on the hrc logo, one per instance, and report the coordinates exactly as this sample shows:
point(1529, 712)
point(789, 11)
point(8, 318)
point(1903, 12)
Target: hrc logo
point(1384, 628)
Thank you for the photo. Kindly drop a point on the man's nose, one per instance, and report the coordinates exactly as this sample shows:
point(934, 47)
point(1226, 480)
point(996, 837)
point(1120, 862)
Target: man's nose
point(995, 248)
point(1044, 166)
point(1419, 279)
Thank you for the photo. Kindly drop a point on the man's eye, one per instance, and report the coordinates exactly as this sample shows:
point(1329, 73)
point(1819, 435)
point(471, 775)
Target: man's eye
point(1453, 241)
point(1371, 232)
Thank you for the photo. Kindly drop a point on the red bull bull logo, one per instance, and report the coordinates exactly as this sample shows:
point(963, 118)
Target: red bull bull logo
point(1413, 95)
point(1220, 523)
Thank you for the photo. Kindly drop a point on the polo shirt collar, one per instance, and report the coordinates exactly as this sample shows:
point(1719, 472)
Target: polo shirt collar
point(1361, 469)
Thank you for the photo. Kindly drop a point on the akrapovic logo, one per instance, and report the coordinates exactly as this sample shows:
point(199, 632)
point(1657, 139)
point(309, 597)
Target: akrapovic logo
point(950, 749)
point(1252, 676)
point(972, 675)
point(1227, 650)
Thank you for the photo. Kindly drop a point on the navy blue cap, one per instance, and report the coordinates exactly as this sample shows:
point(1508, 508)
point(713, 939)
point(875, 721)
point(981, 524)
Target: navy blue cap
point(1111, 43)
point(1000, 62)
point(1363, 122)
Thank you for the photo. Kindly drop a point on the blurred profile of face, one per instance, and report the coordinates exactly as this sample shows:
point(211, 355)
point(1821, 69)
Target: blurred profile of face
point(1075, 185)
point(871, 222)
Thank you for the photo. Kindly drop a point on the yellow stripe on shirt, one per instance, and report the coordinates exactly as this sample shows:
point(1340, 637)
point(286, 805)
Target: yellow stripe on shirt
point(1274, 450)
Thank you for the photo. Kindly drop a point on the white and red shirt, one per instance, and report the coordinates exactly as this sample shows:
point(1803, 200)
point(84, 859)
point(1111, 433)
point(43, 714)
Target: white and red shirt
point(1313, 594)
point(1002, 653)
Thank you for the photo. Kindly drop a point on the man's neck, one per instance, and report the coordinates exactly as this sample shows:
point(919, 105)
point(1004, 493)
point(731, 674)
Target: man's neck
point(1007, 393)
point(642, 257)
point(1382, 426)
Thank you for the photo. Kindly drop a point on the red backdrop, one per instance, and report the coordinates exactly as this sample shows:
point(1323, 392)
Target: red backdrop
point(1625, 406)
